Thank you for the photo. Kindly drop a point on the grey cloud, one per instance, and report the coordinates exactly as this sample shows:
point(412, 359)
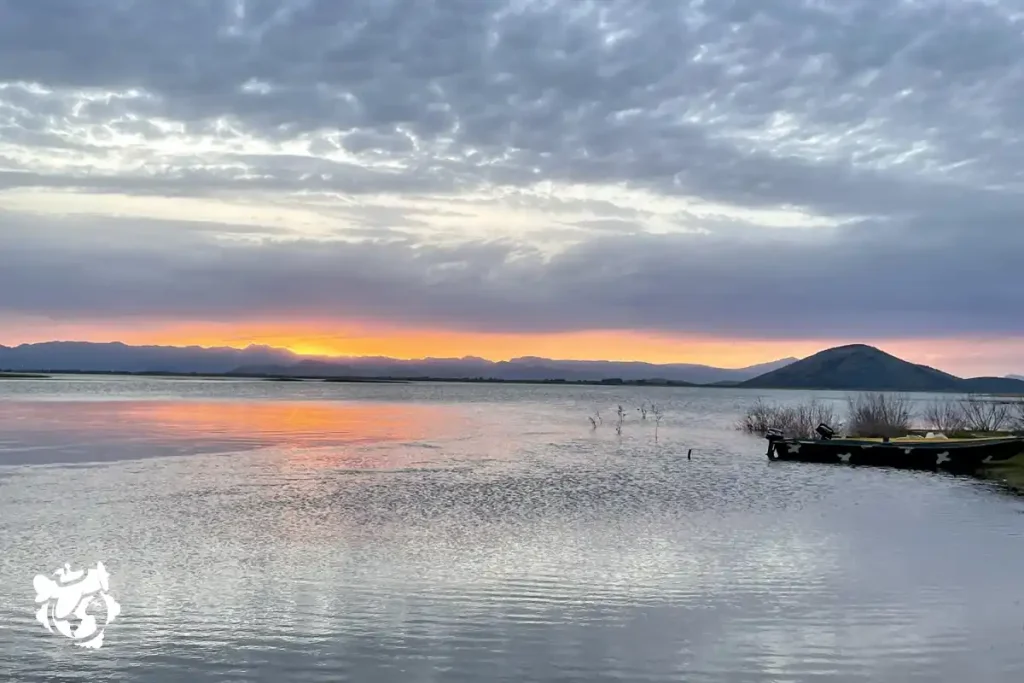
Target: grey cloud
point(901, 118)
point(554, 205)
point(545, 84)
point(855, 283)
point(614, 225)
point(363, 141)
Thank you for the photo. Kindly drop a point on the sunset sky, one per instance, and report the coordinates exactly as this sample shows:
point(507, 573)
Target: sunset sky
point(725, 182)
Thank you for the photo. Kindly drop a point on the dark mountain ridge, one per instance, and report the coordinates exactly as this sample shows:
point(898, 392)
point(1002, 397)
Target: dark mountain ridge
point(119, 357)
point(859, 367)
point(517, 369)
point(852, 367)
point(263, 360)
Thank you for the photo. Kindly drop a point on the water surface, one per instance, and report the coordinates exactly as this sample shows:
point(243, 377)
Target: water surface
point(260, 531)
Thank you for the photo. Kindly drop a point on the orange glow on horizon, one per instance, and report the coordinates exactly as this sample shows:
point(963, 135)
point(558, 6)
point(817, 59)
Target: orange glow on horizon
point(328, 340)
point(966, 357)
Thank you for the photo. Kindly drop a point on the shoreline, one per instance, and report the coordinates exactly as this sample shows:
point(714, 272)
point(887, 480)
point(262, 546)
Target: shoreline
point(398, 379)
point(1009, 474)
point(614, 381)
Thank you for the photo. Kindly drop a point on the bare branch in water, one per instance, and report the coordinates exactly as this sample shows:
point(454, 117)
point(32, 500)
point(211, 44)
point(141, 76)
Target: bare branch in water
point(658, 413)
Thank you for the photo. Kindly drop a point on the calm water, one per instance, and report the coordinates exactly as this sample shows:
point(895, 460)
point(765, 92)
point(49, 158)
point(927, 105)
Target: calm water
point(259, 531)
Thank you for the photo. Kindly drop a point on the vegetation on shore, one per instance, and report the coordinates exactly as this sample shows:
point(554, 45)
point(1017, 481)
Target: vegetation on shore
point(1009, 472)
point(874, 415)
point(22, 375)
point(798, 421)
point(878, 414)
point(868, 415)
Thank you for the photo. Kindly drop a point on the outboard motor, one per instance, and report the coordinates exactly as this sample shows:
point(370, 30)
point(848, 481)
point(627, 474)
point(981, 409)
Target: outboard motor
point(825, 432)
point(772, 435)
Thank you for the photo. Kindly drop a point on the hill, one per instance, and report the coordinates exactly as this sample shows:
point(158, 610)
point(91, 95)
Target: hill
point(844, 368)
point(73, 356)
point(858, 367)
point(517, 369)
point(56, 356)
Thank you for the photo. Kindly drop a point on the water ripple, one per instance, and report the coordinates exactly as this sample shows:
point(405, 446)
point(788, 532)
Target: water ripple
point(447, 542)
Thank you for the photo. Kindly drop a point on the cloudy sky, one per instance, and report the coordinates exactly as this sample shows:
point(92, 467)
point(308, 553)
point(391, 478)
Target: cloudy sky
point(723, 181)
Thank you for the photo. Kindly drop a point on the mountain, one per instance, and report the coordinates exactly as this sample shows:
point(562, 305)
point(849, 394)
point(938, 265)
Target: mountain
point(858, 367)
point(1020, 377)
point(264, 360)
point(844, 368)
point(117, 357)
point(521, 369)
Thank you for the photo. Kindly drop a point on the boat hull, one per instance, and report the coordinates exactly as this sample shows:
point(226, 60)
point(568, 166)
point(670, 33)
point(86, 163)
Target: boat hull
point(937, 454)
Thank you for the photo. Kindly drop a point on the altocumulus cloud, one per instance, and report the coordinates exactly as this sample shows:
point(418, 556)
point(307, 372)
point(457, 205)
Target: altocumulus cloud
point(799, 168)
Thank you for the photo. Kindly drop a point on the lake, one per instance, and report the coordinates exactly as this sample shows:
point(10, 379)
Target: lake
point(268, 531)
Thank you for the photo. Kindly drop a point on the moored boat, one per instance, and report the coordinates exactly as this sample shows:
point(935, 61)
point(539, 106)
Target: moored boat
point(953, 455)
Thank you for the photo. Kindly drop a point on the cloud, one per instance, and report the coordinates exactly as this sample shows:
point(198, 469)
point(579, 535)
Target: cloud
point(846, 284)
point(524, 165)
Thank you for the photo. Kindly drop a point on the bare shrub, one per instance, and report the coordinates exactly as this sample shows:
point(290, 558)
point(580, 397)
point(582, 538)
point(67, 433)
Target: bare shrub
point(986, 415)
point(658, 414)
point(760, 417)
point(797, 421)
point(873, 415)
point(1017, 416)
point(807, 417)
point(945, 415)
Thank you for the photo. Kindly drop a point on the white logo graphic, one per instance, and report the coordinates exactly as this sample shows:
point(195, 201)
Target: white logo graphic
point(70, 597)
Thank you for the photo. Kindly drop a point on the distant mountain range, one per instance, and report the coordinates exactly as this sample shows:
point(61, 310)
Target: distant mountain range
point(858, 367)
point(73, 356)
point(854, 367)
point(518, 369)
point(268, 361)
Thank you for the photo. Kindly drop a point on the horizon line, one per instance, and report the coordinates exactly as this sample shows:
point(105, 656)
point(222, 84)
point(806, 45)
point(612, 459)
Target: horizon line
point(304, 356)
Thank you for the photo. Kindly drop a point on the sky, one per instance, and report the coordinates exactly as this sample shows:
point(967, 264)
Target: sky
point(717, 181)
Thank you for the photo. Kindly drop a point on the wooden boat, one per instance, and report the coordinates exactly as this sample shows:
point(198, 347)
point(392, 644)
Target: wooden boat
point(952, 455)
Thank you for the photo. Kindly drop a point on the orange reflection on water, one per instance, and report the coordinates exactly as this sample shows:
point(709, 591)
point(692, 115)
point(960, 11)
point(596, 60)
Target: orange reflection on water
point(296, 423)
point(237, 425)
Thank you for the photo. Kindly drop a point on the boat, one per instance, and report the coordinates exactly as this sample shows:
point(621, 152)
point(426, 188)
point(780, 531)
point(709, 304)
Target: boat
point(913, 452)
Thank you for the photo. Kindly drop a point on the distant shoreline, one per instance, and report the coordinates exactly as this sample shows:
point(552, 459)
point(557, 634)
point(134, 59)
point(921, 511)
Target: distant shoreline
point(854, 367)
point(609, 382)
point(48, 374)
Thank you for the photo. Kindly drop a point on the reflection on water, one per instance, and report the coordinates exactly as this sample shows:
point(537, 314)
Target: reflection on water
point(493, 540)
point(42, 432)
